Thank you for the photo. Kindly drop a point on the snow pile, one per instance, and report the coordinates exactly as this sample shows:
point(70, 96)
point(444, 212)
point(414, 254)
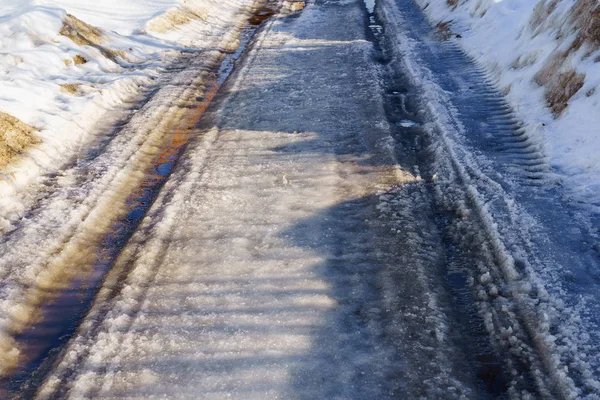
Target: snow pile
point(544, 55)
point(65, 63)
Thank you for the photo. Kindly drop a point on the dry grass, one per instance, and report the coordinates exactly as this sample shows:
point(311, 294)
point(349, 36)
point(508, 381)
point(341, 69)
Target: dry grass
point(585, 15)
point(480, 9)
point(85, 34)
point(542, 11)
point(70, 88)
point(561, 83)
point(15, 137)
point(80, 32)
point(443, 30)
point(550, 70)
point(177, 17)
point(559, 91)
point(78, 60)
point(525, 60)
point(295, 6)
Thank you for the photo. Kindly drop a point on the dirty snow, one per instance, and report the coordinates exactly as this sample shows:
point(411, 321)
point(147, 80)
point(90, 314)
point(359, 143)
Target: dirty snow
point(65, 89)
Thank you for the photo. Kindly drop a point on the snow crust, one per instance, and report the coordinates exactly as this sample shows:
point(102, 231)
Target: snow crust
point(499, 35)
point(37, 61)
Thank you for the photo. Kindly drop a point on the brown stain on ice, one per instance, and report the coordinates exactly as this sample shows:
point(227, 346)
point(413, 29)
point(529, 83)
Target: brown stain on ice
point(80, 254)
point(260, 15)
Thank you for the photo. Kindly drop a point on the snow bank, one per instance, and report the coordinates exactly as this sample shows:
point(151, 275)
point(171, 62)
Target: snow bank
point(65, 63)
point(544, 55)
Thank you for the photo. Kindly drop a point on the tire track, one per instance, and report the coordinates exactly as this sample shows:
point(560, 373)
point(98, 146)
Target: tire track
point(49, 311)
point(488, 173)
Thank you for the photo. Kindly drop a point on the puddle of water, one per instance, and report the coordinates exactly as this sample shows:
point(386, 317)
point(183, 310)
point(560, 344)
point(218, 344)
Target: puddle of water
point(375, 28)
point(62, 310)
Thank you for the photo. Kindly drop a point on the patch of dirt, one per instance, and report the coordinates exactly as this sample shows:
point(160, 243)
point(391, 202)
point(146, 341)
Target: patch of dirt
point(585, 15)
point(176, 17)
point(84, 34)
point(15, 137)
point(78, 60)
point(541, 12)
point(70, 88)
point(560, 90)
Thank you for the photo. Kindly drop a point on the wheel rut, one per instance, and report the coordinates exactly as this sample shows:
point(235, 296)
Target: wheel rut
point(75, 274)
point(502, 211)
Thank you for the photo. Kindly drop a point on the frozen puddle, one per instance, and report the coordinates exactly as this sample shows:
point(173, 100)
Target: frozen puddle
point(407, 123)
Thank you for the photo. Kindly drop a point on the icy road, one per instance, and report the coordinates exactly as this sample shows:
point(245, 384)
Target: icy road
point(343, 208)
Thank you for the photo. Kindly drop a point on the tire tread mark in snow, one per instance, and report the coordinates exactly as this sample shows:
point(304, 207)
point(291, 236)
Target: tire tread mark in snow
point(471, 176)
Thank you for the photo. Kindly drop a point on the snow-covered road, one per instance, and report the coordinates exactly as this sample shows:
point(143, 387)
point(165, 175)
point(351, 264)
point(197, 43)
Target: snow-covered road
point(330, 227)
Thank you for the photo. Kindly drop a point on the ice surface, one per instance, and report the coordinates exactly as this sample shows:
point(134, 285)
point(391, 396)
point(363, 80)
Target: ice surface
point(370, 5)
point(266, 268)
point(407, 123)
point(83, 176)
